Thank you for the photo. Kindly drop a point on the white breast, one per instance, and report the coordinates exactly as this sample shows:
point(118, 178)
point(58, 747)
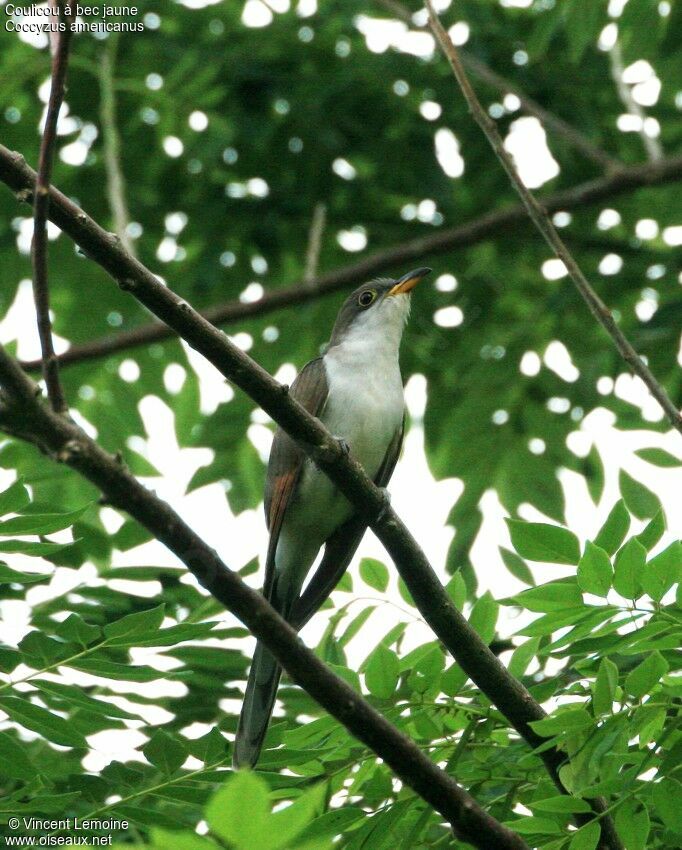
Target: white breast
point(365, 408)
point(365, 405)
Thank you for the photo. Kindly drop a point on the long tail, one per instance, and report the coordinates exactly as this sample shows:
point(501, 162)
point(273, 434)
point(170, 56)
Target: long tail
point(261, 687)
point(259, 700)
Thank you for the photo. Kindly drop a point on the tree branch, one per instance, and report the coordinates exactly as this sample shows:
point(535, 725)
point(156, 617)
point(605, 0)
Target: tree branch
point(98, 244)
point(24, 416)
point(312, 256)
point(112, 145)
point(571, 134)
point(543, 223)
point(470, 652)
point(41, 288)
point(652, 146)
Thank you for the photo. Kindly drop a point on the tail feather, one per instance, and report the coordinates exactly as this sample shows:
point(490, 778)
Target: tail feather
point(259, 700)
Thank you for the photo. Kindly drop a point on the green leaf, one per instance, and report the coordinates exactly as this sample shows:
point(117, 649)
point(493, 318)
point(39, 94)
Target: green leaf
point(561, 804)
point(9, 576)
point(347, 675)
point(667, 795)
point(374, 574)
point(639, 499)
point(138, 464)
point(483, 617)
point(97, 666)
point(452, 680)
point(239, 812)
point(42, 721)
point(356, 624)
point(77, 698)
point(210, 748)
point(594, 570)
point(628, 568)
point(613, 532)
point(646, 675)
point(553, 596)
point(287, 824)
point(522, 656)
point(541, 542)
point(14, 498)
point(534, 826)
point(9, 658)
point(568, 720)
point(30, 547)
point(165, 752)
point(457, 590)
point(587, 837)
point(39, 650)
point(653, 532)
point(382, 671)
point(662, 571)
point(40, 523)
point(517, 566)
point(632, 822)
point(659, 457)
point(13, 759)
point(76, 630)
point(129, 535)
point(605, 687)
point(584, 19)
point(124, 632)
point(333, 822)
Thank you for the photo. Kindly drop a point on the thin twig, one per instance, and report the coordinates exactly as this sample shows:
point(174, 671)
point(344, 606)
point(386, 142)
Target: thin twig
point(97, 243)
point(312, 257)
point(652, 146)
point(544, 224)
point(571, 134)
point(64, 441)
point(116, 191)
point(41, 288)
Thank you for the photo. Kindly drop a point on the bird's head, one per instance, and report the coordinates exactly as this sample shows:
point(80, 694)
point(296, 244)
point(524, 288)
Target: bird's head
point(380, 307)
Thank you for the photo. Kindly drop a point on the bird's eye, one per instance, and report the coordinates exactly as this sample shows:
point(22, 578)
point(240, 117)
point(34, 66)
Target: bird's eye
point(366, 298)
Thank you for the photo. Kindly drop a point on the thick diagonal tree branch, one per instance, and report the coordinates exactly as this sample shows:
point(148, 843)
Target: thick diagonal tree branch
point(471, 653)
point(19, 177)
point(22, 414)
point(41, 203)
point(543, 223)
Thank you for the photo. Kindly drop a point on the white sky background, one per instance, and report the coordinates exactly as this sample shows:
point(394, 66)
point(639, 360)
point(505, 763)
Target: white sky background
point(419, 500)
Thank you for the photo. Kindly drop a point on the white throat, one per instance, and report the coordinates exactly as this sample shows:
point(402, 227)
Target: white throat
point(374, 336)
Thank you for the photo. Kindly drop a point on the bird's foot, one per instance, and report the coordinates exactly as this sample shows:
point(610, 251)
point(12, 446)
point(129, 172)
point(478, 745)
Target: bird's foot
point(343, 445)
point(386, 504)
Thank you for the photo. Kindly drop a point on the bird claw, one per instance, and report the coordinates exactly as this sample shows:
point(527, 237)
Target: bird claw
point(343, 445)
point(386, 504)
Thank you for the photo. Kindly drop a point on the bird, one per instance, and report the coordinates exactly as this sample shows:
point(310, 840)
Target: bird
point(355, 389)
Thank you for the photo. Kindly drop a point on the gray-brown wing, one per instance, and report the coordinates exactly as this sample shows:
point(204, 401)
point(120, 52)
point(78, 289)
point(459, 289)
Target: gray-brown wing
point(341, 546)
point(286, 459)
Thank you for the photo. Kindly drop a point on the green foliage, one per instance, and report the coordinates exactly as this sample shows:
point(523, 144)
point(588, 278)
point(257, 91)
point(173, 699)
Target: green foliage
point(286, 103)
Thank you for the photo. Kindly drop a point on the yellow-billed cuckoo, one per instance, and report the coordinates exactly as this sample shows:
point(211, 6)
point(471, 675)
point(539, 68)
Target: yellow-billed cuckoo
point(356, 390)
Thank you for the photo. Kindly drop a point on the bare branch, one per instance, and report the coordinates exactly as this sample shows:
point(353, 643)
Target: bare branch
point(571, 134)
point(544, 224)
point(66, 442)
point(652, 146)
point(116, 192)
point(312, 257)
point(16, 174)
point(41, 288)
